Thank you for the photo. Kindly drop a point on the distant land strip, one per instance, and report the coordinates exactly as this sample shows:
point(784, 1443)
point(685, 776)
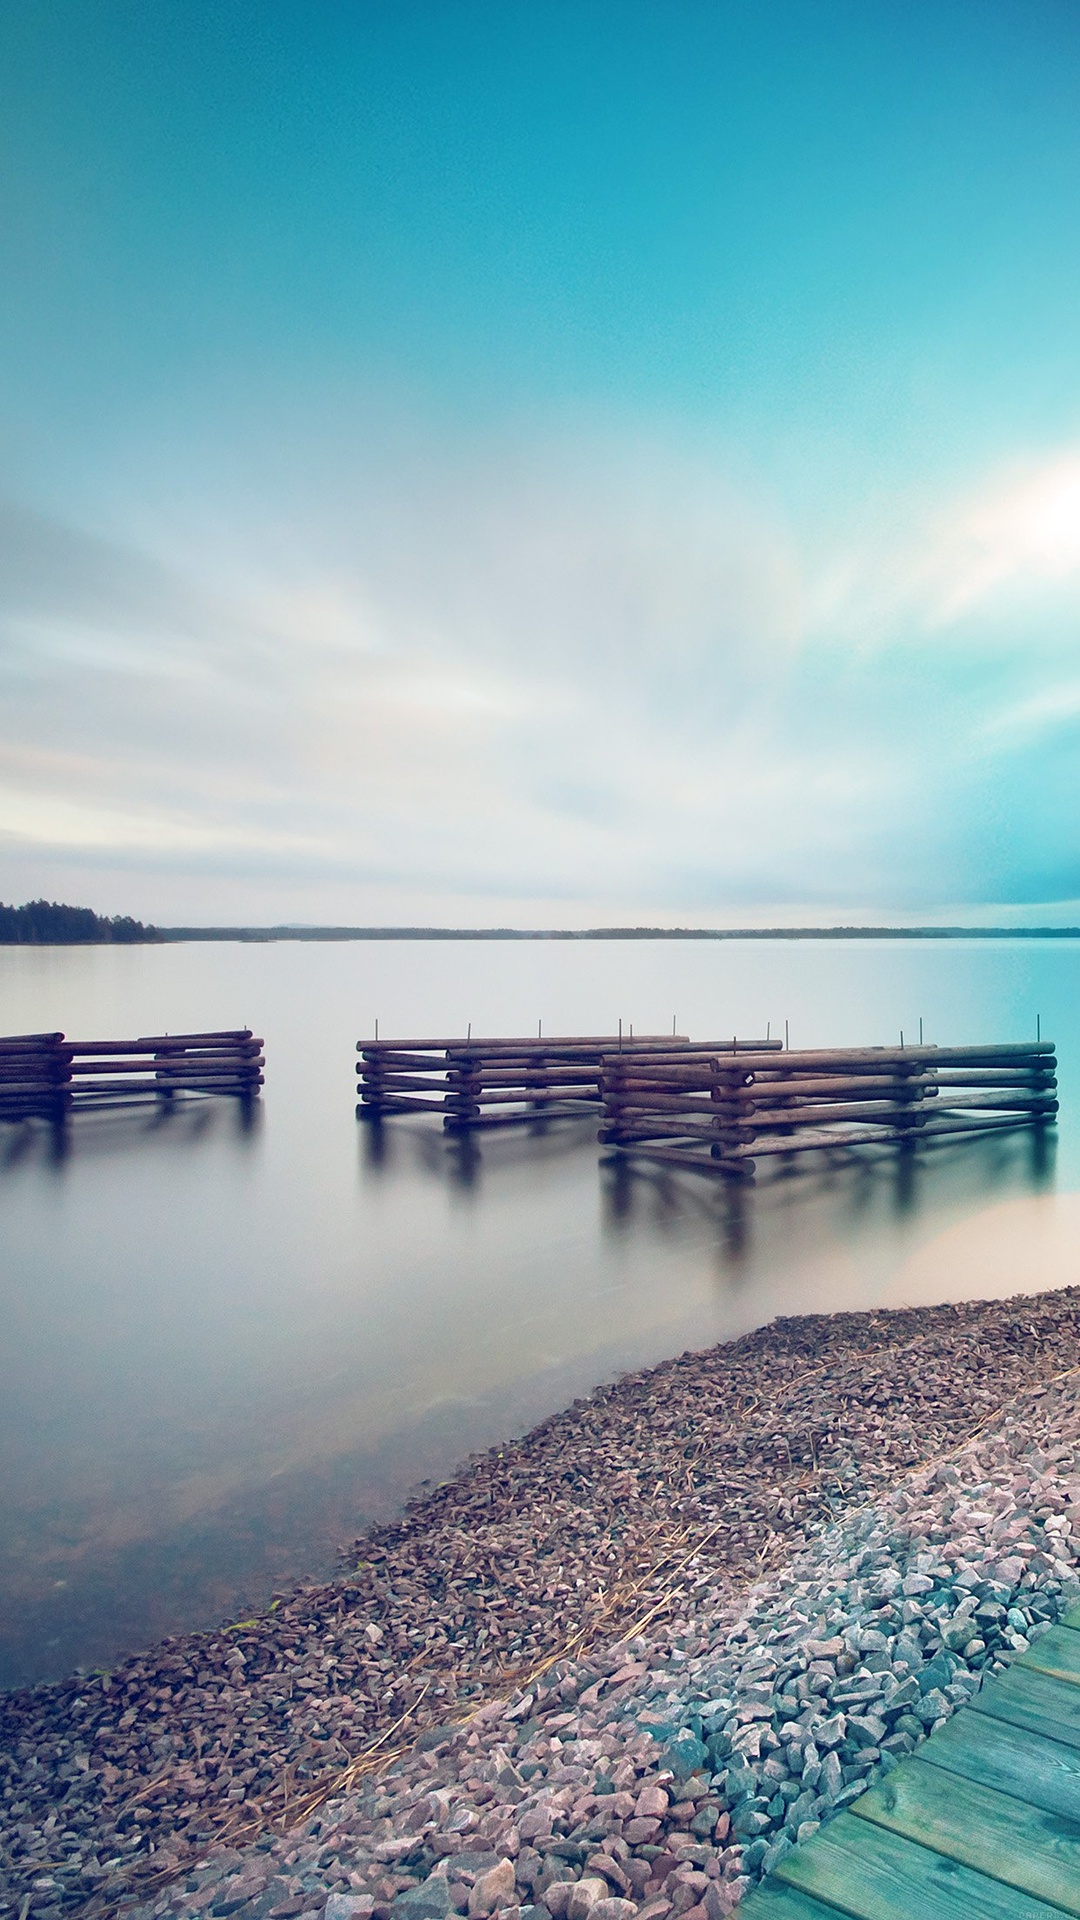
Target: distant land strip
point(47, 923)
point(616, 933)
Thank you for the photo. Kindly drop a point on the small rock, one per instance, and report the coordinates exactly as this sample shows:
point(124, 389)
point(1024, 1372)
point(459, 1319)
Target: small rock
point(831, 1732)
point(933, 1706)
point(491, 1891)
point(639, 1831)
point(557, 1897)
point(652, 1803)
point(585, 1895)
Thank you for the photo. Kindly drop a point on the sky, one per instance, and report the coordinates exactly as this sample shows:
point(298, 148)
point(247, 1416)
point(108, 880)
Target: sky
point(541, 462)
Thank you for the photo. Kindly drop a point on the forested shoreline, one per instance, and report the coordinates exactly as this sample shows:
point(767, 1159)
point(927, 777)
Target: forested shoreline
point(48, 923)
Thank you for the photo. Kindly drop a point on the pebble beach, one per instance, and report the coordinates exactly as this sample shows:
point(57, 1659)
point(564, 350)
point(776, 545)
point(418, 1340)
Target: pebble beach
point(615, 1668)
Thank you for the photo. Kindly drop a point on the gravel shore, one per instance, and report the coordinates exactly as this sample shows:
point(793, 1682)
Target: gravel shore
point(618, 1666)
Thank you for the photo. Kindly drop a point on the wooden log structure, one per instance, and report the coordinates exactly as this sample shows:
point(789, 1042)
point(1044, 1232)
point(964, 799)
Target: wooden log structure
point(47, 1076)
point(35, 1069)
point(720, 1116)
point(506, 1082)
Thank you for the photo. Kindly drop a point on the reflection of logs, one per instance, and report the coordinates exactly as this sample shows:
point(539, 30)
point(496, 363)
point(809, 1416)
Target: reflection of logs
point(47, 1076)
point(492, 1083)
point(718, 1116)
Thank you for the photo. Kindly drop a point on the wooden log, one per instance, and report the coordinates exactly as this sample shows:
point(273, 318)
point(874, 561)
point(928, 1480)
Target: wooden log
point(871, 1113)
point(407, 1103)
point(408, 1082)
point(241, 1041)
point(696, 1074)
point(212, 1055)
point(241, 1075)
point(995, 1076)
point(858, 1059)
point(545, 1044)
point(34, 1096)
point(839, 1086)
point(34, 1066)
point(454, 1123)
point(508, 1086)
point(768, 1099)
point(1010, 1100)
point(535, 1096)
point(694, 1162)
point(662, 1103)
point(993, 1123)
point(14, 1051)
point(696, 1055)
point(815, 1140)
point(170, 1063)
point(33, 1089)
point(554, 1076)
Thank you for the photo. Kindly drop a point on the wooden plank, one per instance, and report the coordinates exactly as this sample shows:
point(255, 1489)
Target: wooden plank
point(1023, 1698)
point(1020, 1845)
point(773, 1901)
point(872, 1874)
point(1012, 1759)
point(1056, 1653)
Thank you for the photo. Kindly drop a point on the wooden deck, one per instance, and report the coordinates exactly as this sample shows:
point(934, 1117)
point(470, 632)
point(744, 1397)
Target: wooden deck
point(981, 1823)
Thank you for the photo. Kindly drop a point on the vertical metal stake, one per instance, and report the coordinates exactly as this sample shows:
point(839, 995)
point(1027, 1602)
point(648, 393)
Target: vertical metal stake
point(786, 1042)
point(901, 1039)
point(920, 1029)
point(1038, 1027)
point(376, 1027)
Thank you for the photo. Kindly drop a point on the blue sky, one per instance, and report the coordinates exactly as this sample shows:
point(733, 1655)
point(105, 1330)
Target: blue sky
point(541, 462)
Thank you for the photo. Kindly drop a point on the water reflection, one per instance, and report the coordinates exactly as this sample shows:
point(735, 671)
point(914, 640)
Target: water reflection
point(176, 1124)
point(798, 1199)
point(227, 1339)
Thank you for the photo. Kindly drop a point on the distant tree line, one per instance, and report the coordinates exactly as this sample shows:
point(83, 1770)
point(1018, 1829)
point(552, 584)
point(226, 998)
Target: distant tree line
point(44, 923)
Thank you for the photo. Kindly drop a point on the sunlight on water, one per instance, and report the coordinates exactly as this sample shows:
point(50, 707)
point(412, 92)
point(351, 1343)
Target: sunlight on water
point(226, 1346)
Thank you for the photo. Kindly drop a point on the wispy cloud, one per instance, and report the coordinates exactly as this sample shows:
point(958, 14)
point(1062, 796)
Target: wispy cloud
point(590, 671)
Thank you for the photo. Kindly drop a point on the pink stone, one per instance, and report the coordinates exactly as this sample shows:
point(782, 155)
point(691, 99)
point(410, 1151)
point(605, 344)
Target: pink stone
point(492, 1890)
point(637, 1832)
point(652, 1803)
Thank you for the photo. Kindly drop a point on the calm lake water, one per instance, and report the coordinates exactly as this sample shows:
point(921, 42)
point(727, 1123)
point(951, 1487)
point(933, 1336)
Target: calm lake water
point(223, 1349)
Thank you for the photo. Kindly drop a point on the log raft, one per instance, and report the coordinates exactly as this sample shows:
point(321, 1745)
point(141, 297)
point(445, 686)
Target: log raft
point(506, 1082)
point(47, 1076)
point(720, 1116)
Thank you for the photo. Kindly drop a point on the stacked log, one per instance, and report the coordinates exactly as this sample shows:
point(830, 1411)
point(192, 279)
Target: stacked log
point(160, 1066)
point(46, 1076)
point(720, 1115)
point(496, 1083)
point(35, 1075)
